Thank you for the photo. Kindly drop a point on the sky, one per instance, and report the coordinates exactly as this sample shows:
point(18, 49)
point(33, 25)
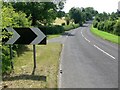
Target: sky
point(108, 6)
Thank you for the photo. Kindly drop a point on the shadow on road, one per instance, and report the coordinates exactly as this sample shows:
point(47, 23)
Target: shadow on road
point(25, 77)
point(67, 34)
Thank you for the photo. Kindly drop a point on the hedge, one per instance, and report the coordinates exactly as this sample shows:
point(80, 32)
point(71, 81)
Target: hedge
point(58, 29)
point(52, 29)
point(72, 26)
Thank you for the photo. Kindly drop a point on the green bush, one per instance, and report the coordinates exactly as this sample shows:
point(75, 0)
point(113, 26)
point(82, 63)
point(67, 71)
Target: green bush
point(11, 18)
point(117, 28)
point(76, 25)
point(107, 22)
point(95, 23)
point(52, 29)
point(71, 26)
point(100, 26)
point(109, 26)
point(58, 29)
point(5, 59)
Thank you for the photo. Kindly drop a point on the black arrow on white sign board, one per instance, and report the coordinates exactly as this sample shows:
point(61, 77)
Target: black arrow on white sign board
point(26, 36)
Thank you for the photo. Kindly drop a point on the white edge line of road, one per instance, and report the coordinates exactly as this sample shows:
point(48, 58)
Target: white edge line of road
point(60, 67)
point(87, 40)
point(85, 37)
point(98, 47)
point(104, 52)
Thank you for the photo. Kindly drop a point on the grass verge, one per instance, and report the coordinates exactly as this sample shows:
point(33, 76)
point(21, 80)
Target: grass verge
point(46, 71)
point(105, 35)
point(53, 36)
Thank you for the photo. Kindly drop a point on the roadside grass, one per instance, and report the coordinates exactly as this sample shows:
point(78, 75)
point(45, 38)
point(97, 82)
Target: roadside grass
point(53, 36)
point(105, 35)
point(46, 71)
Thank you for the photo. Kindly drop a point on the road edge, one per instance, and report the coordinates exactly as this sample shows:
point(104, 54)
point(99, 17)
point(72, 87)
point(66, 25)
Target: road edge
point(60, 67)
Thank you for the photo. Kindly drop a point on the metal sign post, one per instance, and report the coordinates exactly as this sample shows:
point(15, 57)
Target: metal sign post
point(34, 57)
point(11, 55)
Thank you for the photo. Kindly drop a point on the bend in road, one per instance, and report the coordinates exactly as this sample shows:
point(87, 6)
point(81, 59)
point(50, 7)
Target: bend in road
point(84, 66)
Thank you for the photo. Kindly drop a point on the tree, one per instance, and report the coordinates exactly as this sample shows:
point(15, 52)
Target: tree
point(76, 14)
point(44, 12)
point(90, 12)
point(11, 18)
point(60, 14)
point(80, 15)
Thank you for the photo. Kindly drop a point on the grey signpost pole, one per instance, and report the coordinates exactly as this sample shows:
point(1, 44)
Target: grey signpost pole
point(11, 55)
point(34, 57)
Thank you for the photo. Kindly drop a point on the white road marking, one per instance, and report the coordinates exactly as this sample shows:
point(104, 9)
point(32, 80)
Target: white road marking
point(60, 68)
point(85, 37)
point(98, 47)
point(82, 34)
point(104, 52)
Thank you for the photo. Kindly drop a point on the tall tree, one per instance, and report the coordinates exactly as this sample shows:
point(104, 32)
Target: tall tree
point(76, 14)
point(43, 12)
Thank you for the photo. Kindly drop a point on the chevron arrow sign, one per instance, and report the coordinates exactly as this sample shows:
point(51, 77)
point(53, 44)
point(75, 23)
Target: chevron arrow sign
point(26, 36)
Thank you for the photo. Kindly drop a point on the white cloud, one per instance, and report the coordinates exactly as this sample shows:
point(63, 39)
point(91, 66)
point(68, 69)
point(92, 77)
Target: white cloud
point(100, 5)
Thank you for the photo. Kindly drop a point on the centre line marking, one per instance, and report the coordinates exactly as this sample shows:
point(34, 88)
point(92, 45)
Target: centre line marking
point(104, 52)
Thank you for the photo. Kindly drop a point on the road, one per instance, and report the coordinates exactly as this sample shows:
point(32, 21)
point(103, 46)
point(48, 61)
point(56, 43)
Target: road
point(87, 61)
